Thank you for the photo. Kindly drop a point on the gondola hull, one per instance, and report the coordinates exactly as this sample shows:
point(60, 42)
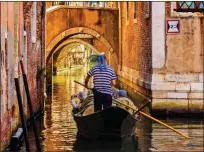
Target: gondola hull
point(113, 121)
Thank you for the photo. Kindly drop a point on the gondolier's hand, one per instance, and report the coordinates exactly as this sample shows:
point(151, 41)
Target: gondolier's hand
point(73, 96)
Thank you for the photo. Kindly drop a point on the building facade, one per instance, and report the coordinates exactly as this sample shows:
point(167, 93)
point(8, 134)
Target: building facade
point(22, 37)
point(161, 53)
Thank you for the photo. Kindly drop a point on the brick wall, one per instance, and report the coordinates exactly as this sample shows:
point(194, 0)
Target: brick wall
point(35, 53)
point(135, 42)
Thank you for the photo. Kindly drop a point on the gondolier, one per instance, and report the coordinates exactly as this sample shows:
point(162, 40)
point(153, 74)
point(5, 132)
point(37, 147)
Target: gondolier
point(104, 78)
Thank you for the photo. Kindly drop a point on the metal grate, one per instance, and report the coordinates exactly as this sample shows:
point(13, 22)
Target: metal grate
point(189, 6)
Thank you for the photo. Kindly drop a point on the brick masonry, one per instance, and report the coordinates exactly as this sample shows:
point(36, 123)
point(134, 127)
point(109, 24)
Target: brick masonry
point(135, 37)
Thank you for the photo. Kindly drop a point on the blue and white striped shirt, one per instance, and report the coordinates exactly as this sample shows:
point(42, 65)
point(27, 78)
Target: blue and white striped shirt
point(102, 80)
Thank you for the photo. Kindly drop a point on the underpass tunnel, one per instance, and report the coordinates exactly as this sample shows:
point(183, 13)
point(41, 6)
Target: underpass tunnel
point(72, 55)
point(75, 51)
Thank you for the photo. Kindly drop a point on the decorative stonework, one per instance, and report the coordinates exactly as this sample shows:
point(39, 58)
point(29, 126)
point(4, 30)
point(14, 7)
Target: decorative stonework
point(183, 14)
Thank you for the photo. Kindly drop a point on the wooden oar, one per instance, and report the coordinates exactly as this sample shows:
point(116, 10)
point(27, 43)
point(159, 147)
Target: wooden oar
point(141, 107)
point(82, 84)
point(163, 124)
point(144, 114)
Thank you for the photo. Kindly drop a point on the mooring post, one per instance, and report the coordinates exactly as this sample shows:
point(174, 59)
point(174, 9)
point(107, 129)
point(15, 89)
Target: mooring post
point(37, 140)
point(20, 105)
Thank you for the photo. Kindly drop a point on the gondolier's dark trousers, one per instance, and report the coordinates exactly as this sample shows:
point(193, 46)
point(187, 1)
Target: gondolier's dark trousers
point(101, 99)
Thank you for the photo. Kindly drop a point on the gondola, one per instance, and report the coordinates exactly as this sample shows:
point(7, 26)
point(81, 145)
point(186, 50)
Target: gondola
point(114, 121)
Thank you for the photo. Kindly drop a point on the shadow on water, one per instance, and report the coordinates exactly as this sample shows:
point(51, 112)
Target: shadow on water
point(107, 144)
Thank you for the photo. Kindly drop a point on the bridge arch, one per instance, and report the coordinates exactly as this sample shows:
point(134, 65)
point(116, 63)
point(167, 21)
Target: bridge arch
point(64, 22)
point(72, 41)
point(64, 36)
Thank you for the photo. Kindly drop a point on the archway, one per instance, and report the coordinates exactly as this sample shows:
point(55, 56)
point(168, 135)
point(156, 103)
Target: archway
point(64, 39)
point(80, 30)
point(69, 42)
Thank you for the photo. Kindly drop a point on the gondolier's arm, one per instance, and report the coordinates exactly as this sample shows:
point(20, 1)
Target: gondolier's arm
point(113, 83)
point(87, 81)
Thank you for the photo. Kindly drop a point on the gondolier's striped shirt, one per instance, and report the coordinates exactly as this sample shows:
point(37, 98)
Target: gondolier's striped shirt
point(102, 80)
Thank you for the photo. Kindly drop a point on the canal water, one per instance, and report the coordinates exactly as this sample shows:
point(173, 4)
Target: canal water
point(58, 130)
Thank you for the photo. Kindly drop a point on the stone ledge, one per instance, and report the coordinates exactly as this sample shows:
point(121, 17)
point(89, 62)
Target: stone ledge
point(195, 106)
point(176, 95)
point(170, 104)
point(175, 107)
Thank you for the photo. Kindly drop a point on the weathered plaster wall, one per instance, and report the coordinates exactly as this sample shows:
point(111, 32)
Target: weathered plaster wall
point(177, 85)
point(5, 123)
point(10, 18)
point(14, 16)
point(186, 55)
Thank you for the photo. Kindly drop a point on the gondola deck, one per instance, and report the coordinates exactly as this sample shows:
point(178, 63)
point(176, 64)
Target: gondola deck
point(113, 121)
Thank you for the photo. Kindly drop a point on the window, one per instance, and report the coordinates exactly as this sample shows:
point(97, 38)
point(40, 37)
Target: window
point(127, 11)
point(189, 6)
point(135, 10)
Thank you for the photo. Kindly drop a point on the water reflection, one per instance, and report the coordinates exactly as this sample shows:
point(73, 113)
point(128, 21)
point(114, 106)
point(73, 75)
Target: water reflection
point(58, 131)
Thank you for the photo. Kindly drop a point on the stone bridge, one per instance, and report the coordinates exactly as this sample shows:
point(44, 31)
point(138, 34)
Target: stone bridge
point(79, 26)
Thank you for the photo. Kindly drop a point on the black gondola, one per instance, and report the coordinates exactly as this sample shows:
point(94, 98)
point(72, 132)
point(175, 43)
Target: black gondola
point(113, 121)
